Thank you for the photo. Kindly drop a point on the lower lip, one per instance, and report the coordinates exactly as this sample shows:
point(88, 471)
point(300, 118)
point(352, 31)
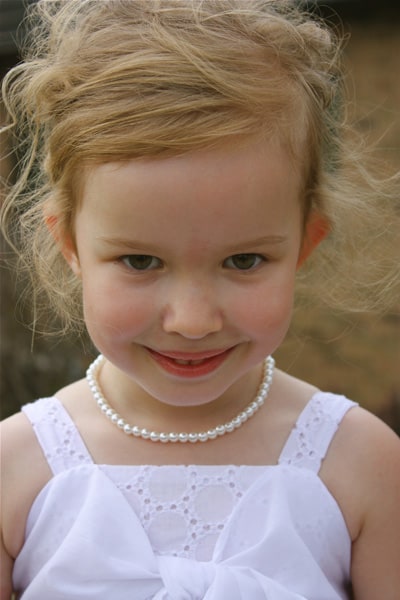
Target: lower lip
point(190, 371)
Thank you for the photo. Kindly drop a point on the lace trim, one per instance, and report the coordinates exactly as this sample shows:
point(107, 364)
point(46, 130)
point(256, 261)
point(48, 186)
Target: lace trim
point(57, 434)
point(311, 436)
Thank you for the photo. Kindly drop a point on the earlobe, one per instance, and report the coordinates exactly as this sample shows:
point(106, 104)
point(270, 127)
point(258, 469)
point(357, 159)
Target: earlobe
point(316, 230)
point(65, 243)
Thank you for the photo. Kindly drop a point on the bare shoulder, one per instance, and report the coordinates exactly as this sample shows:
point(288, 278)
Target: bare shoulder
point(362, 470)
point(363, 460)
point(21, 483)
point(370, 448)
point(362, 430)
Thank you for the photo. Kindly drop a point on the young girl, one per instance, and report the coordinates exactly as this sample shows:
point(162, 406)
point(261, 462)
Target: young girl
point(186, 159)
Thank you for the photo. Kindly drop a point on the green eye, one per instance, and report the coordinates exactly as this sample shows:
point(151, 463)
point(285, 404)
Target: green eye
point(243, 262)
point(141, 262)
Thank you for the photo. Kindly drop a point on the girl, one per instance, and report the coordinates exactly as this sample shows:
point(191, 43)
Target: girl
point(186, 159)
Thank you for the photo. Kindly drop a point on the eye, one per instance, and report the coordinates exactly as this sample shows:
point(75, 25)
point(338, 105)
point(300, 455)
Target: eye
point(141, 262)
point(244, 262)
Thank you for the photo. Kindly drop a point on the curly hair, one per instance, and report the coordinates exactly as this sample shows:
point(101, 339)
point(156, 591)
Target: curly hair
point(122, 79)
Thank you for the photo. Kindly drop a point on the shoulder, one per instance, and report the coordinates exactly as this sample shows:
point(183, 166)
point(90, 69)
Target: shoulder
point(369, 445)
point(371, 453)
point(376, 455)
point(20, 483)
point(362, 469)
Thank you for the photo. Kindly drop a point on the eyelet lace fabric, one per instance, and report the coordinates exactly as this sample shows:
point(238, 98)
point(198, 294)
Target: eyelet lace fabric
point(184, 509)
point(312, 434)
point(62, 444)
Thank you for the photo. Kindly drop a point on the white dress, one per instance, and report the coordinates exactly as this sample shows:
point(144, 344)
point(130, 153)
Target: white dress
point(185, 532)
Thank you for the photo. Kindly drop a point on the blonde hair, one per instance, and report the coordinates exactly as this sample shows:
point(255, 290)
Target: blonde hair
point(119, 79)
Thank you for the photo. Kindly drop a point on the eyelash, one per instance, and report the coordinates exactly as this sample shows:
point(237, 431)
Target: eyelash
point(148, 261)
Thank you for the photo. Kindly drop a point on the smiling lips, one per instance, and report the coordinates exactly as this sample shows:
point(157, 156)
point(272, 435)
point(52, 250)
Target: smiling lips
point(190, 365)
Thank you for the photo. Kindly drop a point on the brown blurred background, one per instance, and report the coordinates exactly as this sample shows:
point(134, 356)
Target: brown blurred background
point(358, 355)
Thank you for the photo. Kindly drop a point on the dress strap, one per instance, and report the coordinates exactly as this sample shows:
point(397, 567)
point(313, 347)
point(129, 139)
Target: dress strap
point(57, 435)
point(315, 428)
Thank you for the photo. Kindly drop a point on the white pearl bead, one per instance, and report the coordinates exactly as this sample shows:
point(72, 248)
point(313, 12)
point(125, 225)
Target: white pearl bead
point(249, 411)
point(183, 437)
point(236, 422)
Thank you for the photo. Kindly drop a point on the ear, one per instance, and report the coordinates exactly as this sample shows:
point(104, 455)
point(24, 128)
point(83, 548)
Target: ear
point(316, 230)
point(65, 243)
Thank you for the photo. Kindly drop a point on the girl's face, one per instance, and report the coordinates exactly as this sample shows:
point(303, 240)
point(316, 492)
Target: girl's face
point(188, 266)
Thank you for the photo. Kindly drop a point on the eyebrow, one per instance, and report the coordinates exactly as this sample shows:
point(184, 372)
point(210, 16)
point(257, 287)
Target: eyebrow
point(265, 240)
point(125, 242)
point(240, 246)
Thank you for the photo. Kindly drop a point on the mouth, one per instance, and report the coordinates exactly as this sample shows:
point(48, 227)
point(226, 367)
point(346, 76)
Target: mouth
point(185, 364)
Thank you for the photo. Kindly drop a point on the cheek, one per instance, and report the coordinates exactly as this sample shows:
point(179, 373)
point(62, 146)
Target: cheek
point(110, 310)
point(268, 311)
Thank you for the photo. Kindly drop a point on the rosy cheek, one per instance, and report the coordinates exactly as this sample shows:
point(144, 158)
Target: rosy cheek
point(118, 312)
point(268, 310)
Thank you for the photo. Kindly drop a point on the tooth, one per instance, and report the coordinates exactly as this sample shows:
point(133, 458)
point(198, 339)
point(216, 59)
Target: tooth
point(180, 361)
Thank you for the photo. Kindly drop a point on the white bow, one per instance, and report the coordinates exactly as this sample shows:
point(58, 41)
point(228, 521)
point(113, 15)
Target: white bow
point(102, 551)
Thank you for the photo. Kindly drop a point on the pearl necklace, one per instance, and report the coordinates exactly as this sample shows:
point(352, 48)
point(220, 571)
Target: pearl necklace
point(155, 436)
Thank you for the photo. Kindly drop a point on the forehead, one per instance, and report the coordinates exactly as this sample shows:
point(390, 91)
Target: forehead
point(214, 190)
point(254, 162)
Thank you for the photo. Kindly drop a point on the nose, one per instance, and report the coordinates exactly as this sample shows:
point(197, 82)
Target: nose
point(192, 310)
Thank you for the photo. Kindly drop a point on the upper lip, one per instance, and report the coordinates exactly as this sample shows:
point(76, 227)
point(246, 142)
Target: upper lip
point(174, 354)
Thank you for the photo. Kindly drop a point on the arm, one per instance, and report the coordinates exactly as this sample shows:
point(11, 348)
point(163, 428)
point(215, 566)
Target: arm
point(6, 565)
point(6, 560)
point(376, 550)
point(24, 472)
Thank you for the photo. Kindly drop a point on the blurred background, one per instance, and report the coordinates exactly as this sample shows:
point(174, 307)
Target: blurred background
point(357, 355)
